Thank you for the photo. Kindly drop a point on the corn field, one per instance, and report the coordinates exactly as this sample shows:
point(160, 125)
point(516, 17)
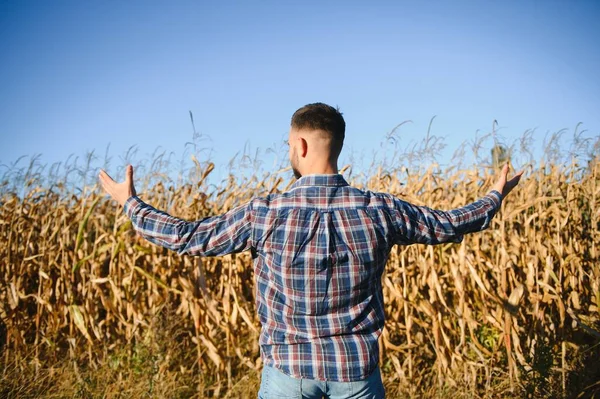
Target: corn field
point(512, 311)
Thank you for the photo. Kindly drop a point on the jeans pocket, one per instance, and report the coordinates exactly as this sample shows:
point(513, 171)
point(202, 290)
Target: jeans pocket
point(276, 384)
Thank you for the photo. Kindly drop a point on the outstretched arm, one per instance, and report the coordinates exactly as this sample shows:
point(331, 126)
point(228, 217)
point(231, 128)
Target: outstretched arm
point(420, 224)
point(218, 235)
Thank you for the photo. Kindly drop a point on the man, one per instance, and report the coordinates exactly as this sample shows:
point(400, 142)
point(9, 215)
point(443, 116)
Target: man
point(319, 252)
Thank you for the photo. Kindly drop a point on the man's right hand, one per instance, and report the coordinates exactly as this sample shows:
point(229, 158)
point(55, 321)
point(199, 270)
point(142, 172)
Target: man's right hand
point(505, 186)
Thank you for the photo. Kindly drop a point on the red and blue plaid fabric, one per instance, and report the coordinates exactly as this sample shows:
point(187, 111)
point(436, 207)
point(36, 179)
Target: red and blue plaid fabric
point(319, 252)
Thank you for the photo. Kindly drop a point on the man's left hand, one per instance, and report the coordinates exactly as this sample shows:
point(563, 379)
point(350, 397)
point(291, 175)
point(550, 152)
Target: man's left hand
point(120, 192)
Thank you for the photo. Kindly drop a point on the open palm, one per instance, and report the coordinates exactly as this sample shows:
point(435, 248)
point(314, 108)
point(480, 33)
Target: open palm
point(504, 185)
point(120, 192)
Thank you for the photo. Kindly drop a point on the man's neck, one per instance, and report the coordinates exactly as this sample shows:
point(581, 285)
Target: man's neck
point(323, 170)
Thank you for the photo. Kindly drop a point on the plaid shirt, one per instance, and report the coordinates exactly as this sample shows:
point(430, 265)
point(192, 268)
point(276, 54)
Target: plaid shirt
point(319, 252)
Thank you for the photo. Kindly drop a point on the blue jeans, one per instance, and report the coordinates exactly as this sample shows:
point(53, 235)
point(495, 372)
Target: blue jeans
point(275, 384)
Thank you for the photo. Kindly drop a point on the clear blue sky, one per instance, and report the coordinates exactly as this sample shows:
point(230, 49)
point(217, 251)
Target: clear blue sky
point(78, 75)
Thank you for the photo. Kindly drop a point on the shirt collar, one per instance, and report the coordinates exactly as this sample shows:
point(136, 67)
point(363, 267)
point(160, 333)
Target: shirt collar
point(320, 180)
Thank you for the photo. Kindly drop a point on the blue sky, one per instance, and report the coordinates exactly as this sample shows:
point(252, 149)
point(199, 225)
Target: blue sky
point(76, 76)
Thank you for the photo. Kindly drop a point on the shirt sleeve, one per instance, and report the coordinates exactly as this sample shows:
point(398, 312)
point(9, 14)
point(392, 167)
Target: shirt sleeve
point(212, 236)
point(420, 224)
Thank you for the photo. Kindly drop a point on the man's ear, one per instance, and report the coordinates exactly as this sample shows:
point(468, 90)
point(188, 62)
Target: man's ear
point(303, 147)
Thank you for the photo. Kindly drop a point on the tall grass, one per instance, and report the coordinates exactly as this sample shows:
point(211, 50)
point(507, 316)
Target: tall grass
point(90, 309)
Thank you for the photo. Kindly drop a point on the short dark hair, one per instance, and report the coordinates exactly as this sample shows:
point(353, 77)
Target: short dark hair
point(319, 116)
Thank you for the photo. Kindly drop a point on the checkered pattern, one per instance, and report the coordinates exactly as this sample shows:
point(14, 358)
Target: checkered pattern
point(319, 252)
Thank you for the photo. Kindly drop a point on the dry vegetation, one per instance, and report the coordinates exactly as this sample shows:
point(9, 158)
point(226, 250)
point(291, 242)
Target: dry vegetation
point(89, 309)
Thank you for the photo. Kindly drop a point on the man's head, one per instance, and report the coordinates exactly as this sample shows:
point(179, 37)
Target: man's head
point(316, 138)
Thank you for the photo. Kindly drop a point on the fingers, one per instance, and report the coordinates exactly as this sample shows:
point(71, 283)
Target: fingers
point(107, 183)
point(105, 179)
point(503, 184)
point(512, 183)
point(505, 170)
point(105, 176)
point(129, 174)
point(503, 175)
point(129, 179)
point(516, 178)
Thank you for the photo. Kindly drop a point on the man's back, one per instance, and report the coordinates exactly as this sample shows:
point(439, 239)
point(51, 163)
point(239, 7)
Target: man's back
point(319, 252)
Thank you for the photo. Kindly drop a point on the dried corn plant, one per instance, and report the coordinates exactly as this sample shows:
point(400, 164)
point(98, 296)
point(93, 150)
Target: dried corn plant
point(515, 304)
